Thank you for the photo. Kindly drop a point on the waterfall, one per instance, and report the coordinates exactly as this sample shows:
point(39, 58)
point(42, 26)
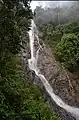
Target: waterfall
point(33, 66)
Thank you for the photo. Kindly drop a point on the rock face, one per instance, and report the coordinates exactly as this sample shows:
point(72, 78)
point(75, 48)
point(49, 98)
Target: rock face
point(58, 77)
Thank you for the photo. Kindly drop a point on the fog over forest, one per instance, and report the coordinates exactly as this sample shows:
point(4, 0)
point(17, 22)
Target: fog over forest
point(58, 12)
point(53, 4)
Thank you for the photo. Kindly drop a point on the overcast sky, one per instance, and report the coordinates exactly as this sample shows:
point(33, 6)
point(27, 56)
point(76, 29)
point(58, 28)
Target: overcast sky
point(46, 3)
point(37, 3)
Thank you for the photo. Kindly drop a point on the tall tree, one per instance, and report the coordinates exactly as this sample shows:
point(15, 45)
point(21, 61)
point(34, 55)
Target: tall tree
point(15, 17)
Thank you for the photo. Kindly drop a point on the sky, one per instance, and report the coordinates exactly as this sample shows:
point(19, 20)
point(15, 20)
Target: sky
point(37, 3)
point(46, 3)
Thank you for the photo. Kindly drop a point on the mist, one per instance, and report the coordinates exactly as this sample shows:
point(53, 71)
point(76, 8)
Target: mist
point(53, 4)
point(58, 12)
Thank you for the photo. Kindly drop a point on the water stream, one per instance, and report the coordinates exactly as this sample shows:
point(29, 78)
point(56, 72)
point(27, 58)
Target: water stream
point(33, 66)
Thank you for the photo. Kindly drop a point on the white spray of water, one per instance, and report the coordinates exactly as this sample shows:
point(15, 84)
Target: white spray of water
point(33, 66)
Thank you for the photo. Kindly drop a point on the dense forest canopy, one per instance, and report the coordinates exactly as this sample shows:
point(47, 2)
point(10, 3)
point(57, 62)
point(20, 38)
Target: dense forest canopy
point(57, 13)
point(14, 19)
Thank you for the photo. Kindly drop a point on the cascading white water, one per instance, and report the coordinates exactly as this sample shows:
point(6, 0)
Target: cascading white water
point(33, 66)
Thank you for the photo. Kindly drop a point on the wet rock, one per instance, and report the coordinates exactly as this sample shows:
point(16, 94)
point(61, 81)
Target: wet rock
point(58, 79)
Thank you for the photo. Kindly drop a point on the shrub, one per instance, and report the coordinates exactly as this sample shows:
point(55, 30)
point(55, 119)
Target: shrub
point(67, 50)
point(78, 35)
point(19, 98)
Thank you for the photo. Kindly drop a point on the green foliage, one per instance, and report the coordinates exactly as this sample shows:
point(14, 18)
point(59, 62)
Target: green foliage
point(14, 19)
point(68, 27)
point(68, 50)
point(50, 34)
point(63, 49)
point(78, 35)
point(19, 98)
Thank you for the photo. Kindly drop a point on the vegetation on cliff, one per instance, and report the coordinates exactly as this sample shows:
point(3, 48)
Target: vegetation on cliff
point(19, 98)
point(59, 26)
point(67, 50)
point(64, 40)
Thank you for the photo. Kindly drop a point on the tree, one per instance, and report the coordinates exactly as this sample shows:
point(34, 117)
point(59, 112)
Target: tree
point(14, 19)
point(67, 50)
